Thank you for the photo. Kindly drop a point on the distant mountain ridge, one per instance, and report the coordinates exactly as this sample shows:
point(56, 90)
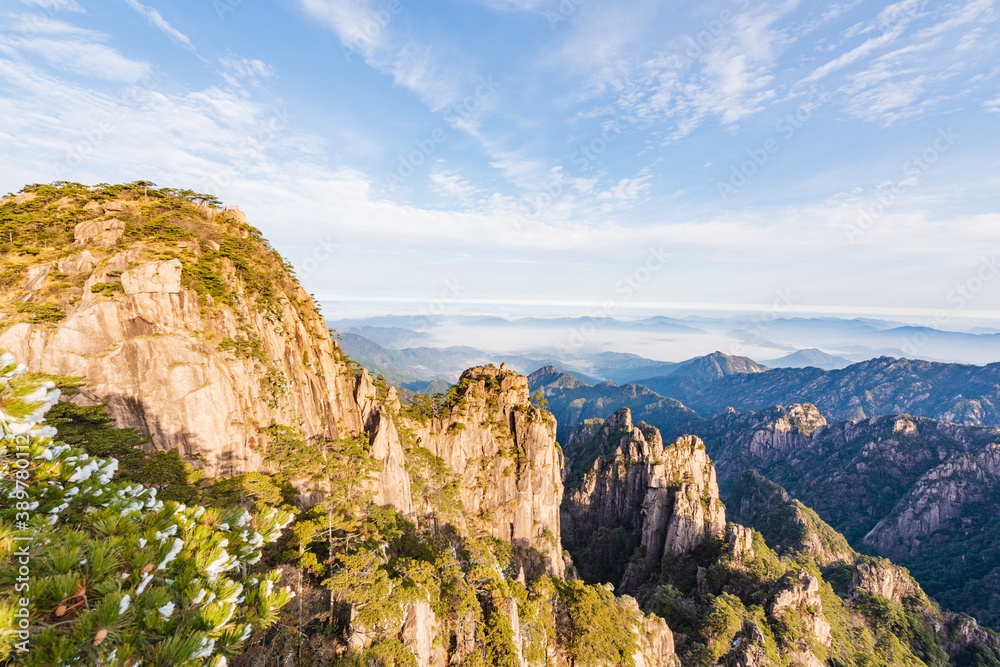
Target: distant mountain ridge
point(961, 393)
point(811, 357)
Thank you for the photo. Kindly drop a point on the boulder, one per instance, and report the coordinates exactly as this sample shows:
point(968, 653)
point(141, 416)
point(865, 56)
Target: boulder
point(158, 277)
point(103, 233)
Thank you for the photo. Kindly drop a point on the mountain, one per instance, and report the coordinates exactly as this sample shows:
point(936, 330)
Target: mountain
point(689, 377)
point(810, 357)
point(168, 306)
point(784, 588)
point(953, 392)
point(572, 401)
point(923, 492)
point(412, 365)
point(415, 367)
point(390, 337)
point(620, 367)
point(424, 534)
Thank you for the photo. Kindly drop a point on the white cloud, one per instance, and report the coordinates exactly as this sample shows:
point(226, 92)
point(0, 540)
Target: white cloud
point(973, 11)
point(417, 66)
point(239, 71)
point(69, 48)
point(156, 20)
point(453, 185)
point(726, 73)
point(53, 6)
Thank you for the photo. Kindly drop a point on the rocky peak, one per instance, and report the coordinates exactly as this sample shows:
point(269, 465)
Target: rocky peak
point(185, 323)
point(550, 380)
point(667, 496)
point(799, 590)
point(504, 449)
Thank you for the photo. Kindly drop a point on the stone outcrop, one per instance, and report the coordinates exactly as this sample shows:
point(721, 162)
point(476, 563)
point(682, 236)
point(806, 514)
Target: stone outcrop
point(420, 635)
point(940, 499)
point(800, 591)
point(504, 448)
point(880, 577)
point(756, 440)
point(748, 647)
point(202, 377)
point(100, 233)
point(157, 277)
point(654, 640)
point(36, 277)
point(667, 496)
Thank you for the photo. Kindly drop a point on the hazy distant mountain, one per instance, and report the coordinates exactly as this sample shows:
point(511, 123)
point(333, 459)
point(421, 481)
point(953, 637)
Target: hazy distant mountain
point(960, 393)
point(415, 367)
point(389, 337)
point(691, 376)
point(621, 367)
point(811, 357)
point(669, 339)
point(411, 365)
point(572, 401)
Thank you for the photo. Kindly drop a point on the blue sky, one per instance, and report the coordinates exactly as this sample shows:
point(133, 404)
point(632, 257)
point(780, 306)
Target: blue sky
point(533, 156)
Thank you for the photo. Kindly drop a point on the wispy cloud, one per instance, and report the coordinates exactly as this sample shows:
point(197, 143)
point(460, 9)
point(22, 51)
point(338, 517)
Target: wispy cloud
point(453, 185)
point(68, 47)
point(156, 20)
point(53, 6)
point(412, 63)
point(245, 71)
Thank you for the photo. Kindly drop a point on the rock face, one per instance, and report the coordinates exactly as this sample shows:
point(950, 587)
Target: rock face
point(748, 647)
point(654, 640)
point(572, 402)
point(800, 591)
point(101, 233)
point(504, 448)
point(667, 497)
point(163, 277)
point(420, 630)
point(756, 440)
point(200, 376)
point(918, 490)
point(881, 577)
point(950, 495)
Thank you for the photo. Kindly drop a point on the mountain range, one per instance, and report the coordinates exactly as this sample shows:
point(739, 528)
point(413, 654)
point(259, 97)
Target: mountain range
point(215, 451)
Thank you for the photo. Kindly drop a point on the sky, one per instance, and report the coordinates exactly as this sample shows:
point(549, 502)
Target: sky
point(533, 157)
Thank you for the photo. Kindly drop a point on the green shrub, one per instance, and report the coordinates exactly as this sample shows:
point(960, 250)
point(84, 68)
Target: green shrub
point(107, 288)
point(40, 313)
point(117, 573)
